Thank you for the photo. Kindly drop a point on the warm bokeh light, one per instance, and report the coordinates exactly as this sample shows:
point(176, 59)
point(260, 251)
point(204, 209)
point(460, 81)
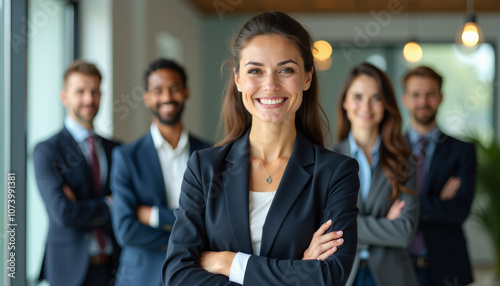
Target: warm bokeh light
point(470, 35)
point(412, 52)
point(323, 65)
point(322, 50)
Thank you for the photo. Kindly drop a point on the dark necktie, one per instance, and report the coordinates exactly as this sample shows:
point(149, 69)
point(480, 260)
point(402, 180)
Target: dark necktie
point(422, 144)
point(95, 165)
point(418, 245)
point(97, 186)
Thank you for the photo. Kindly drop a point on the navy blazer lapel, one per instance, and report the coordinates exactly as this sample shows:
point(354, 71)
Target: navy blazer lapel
point(291, 186)
point(75, 162)
point(235, 187)
point(151, 163)
point(437, 160)
point(108, 147)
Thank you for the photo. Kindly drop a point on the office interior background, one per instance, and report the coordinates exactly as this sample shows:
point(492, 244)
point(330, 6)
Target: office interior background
point(41, 37)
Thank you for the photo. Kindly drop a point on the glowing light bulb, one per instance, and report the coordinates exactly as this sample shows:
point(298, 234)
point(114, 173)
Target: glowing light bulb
point(322, 50)
point(470, 35)
point(412, 52)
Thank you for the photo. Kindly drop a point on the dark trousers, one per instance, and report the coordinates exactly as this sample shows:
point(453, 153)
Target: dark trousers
point(424, 277)
point(364, 277)
point(100, 275)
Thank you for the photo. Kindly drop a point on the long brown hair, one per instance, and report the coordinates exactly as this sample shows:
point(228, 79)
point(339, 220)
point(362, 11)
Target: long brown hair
point(310, 118)
point(394, 149)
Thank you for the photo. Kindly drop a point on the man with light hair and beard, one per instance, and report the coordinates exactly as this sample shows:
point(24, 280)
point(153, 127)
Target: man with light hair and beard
point(446, 174)
point(147, 175)
point(72, 174)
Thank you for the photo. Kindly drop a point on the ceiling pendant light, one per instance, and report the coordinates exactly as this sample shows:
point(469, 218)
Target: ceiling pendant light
point(322, 52)
point(469, 37)
point(412, 51)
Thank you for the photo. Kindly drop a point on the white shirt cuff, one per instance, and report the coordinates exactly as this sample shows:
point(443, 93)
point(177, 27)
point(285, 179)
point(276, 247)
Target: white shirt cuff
point(238, 267)
point(154, 217)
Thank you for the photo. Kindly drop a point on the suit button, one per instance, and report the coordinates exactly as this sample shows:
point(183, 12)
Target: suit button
point(87, 236)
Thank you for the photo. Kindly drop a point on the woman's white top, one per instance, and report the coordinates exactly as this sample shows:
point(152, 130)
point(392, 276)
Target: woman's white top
point(260, 202)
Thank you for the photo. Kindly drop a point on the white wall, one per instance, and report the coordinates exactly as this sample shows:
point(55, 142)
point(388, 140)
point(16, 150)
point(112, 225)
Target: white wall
point(96, 46)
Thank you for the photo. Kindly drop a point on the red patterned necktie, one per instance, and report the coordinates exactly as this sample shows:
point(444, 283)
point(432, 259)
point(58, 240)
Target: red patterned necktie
point(418, 245)
point(97, 186)
point(95, 165)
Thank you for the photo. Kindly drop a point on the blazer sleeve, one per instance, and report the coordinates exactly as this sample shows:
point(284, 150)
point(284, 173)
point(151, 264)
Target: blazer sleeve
point(128, 230)
point(381, 231)
point(189, 238)
point(456, 210)
point(82, 213)
point(166, 217)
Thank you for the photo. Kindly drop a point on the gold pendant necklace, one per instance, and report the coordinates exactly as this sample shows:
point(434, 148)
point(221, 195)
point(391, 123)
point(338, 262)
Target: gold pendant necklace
point(268, 179)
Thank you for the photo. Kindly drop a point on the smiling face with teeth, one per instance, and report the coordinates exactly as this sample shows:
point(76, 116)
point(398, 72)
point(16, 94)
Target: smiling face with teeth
point(165, 96)
point(271, 78)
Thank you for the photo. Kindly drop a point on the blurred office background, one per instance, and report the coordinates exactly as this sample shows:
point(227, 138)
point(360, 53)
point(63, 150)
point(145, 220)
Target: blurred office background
point(41, 37)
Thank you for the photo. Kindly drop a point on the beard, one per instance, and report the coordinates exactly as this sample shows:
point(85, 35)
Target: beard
point(170, 119)
point(425, 120)
point(83, 117)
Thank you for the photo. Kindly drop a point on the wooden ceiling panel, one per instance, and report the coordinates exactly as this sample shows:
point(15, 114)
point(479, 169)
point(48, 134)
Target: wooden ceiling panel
point(341, 6)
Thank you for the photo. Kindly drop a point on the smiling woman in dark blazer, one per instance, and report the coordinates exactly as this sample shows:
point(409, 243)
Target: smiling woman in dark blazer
point(270, 205)
point(369, 129)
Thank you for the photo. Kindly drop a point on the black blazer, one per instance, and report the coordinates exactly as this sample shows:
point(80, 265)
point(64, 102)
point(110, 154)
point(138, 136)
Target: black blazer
point(441, 221)
point(214, 215)
point(137, 179)
point(59, 161)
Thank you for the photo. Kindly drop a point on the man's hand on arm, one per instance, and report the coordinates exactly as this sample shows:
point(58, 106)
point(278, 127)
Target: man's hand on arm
point(450, 189)
point(68, 193)
point(143, 214)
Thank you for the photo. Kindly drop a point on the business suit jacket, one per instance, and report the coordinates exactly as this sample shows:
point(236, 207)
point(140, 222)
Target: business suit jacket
point(137, 179)
point(385, 240)
point(214, 215)
point(441, 221)
point(59, 161)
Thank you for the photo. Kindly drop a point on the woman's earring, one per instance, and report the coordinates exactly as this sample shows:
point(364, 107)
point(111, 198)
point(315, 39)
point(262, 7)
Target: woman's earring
point(239, 89)
point(306, 88)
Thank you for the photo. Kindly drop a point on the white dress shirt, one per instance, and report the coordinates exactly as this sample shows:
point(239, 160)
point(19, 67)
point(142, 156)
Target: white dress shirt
point(259, 204)
point(173, 164)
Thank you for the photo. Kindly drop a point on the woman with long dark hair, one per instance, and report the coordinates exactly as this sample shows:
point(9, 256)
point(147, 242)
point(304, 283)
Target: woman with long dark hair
point(369, 130)
point(269, 205)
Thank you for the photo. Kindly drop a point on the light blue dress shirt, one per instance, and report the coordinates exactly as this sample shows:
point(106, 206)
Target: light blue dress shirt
point(80, 134)
point(365, 172)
